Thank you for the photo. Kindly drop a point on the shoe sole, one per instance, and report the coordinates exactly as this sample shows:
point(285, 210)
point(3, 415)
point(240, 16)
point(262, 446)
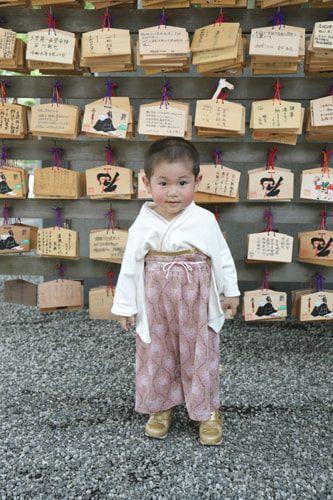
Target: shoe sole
point(211, 444)
point(156, 437)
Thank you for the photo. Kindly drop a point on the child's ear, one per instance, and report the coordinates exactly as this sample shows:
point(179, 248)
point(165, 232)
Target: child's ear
point(146, 183)
point(197, 182)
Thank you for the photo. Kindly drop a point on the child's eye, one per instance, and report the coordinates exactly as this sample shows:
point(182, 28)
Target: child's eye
point(183, 183)
point(163, 183)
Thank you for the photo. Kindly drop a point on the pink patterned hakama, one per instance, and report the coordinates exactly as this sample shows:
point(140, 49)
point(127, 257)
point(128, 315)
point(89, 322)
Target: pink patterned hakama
point(182, 361)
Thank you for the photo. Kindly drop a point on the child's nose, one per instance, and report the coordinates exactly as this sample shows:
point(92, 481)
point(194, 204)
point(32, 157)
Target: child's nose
point(172, 190)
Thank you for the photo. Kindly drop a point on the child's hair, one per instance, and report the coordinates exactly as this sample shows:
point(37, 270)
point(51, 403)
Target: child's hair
point(170, 150)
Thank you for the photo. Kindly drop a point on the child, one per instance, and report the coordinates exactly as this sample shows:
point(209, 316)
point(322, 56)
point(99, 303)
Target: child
point(176, 271)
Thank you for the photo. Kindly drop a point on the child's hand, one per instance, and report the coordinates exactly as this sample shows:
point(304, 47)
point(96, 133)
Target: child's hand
point(126, 322)
point(231, 303)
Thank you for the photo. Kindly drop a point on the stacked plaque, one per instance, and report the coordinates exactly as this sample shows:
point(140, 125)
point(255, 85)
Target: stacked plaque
point(12, 52)
point(277, 121)
point(219, 49)
point(219, 118)
point(53, 52)
point(319, 119)
point(107, 49)
point(277, 50)
point(319, 56)
point(163, 49)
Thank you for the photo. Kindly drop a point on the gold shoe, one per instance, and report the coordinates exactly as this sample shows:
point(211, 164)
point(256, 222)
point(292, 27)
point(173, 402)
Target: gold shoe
point(210, 431)
point(159, 423)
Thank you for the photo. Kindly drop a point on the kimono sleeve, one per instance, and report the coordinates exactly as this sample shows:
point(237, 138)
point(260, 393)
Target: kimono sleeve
point(224, 266)
point(125, 298)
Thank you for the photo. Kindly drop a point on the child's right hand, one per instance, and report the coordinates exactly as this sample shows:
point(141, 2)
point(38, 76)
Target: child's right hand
point(126, 322)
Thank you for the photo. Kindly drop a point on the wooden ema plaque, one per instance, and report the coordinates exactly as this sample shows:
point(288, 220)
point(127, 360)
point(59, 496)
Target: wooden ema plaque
point(60, 295)
point(102, 43)
point(100, 303)
point(283, 41)
point(322, 112)
point(273, 184)
point(45, 45)
point(17, 62)
point(316, 185)
point(58, 242)
point(269, 247)
point(219, 119)
point(33, 230)
point(107, 245)
point(166, 121)
point(316, 306)
point(7, 43)
point(264, 305)
point(271, 114)
point(13, 121)
point(316, 247)
point(14, 182)
point(55, 120)
point(53, 182)
point(108, 120)
point(14, 239)
point(219, 180)
point(163, 49)
point(213, 37)
point(20, 291)
point(109, 181)
point(107, 49)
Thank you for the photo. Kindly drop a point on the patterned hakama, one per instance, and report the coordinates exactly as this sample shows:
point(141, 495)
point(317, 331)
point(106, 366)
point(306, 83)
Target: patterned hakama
point(182, 361)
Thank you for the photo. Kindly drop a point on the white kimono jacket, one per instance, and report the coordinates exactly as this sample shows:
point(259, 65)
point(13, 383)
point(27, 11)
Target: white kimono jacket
point(194, 227)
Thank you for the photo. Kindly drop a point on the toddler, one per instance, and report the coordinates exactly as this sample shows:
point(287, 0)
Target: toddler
point(177, 276)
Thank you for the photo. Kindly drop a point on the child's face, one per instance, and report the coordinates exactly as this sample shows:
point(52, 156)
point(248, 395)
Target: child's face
point(172, 187)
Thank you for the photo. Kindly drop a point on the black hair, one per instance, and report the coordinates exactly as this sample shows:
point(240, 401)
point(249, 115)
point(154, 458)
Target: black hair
point(171, 149)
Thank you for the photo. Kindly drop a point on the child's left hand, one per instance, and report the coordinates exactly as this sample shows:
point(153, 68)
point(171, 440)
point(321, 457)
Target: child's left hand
point(231, 303)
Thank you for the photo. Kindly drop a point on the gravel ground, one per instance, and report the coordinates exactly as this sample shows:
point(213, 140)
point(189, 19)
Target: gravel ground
point(69, 430)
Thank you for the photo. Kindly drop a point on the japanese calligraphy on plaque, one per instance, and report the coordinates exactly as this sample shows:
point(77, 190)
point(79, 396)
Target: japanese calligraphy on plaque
point(109, 181)
point(283, 42)
point(317, 306)
point(61, 295)
point(323, 35)
point(19, 291)
point(7, 43)
point(108, 245)
point(45, 45)
point(274, 184)
point(100, 303)
point(52, 182)
point(219, 119)
point(109, 120)
point(316, 247)
point(269, 247)
point(322, 112)
point(219, 180)
point(55, 120)
point(264, 304)
point(14, 182)
point(276, 115)
point(13, 121)
point(157, 120)
point(58, 242)
point(14, 239)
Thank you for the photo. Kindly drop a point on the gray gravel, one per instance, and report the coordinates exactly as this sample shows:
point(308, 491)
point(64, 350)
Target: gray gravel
point(69, 429)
